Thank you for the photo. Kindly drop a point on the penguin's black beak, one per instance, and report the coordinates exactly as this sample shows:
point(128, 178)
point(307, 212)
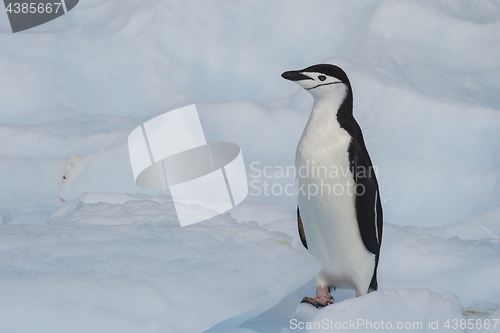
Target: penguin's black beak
point(295, 76)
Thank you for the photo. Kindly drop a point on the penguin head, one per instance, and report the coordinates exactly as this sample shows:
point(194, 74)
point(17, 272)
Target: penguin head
point(321, 81)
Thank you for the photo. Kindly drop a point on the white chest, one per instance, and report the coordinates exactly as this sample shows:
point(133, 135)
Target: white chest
point(329, 214)
point(324, 144)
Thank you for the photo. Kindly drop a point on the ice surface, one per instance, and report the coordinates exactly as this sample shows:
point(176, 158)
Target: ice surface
point(466, 268)
point(262, 213)
point(412, 258)
point(121, 263)
point(489, 323)
point(405, 310)
point(427, 97)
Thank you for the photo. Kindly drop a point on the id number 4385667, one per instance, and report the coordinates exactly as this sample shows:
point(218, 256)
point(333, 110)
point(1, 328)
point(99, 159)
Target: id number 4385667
point(25, 7)
point(471, 324)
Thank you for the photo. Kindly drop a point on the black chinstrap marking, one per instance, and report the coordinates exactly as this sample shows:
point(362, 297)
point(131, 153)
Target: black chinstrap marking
point(324, 84)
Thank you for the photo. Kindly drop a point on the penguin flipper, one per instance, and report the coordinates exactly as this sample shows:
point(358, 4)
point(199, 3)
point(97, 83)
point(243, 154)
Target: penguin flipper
point(301, 229)
point(368, 205)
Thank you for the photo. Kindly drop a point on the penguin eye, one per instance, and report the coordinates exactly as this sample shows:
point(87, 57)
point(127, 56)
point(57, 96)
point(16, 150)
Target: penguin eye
point(322, 78)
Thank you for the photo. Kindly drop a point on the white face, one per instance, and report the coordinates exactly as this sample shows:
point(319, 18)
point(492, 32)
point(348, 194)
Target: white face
point(322, 85)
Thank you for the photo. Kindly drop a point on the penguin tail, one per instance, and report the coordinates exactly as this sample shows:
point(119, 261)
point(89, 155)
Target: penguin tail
point(373, 284)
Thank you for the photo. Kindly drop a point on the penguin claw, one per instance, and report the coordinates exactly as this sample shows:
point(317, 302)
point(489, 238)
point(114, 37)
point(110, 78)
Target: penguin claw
point(318, 301)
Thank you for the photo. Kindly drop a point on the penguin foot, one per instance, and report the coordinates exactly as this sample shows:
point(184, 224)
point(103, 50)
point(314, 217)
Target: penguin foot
point(319, 301)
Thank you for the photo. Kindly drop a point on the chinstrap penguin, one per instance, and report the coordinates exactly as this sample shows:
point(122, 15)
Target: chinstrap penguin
point(341, 225)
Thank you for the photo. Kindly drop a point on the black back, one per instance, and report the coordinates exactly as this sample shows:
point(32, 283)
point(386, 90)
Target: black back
point(368, 204)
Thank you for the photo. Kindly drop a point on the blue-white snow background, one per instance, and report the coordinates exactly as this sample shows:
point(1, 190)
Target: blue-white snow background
point(78, 254)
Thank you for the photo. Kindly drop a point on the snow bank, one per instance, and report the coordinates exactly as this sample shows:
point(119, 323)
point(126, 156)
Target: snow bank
point(466, 268)
point(404, 310)
point(121, 263)
point(263, 214)
point(426, 97)
point(422, 258)
point(480, 227)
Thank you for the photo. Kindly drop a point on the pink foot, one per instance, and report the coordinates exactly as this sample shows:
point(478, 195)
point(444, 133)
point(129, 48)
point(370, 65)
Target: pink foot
point(318, 301)
point(322, 298)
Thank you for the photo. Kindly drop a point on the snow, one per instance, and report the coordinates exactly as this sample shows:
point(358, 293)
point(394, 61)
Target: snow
point(74, 256)
point(464, 267)
point(421, 272)
point(487, 323)
point(386, 310)
point(123, 263)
